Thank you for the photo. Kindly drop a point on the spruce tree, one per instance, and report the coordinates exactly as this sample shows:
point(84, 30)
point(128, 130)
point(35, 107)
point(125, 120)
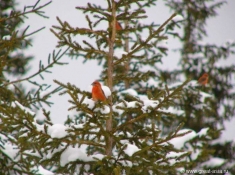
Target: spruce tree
point(139, 129)
point(140, 111)
point(196, 59)
point(16, 117)
point(13, 61)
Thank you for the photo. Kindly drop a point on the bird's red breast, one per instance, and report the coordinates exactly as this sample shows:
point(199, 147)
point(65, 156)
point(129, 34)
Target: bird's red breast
point(203, 80)
point(97, 92)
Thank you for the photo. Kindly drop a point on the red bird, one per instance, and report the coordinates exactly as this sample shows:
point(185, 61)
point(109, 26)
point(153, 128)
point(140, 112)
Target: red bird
point(203, 80)
point(97, 92)
point(118, 26)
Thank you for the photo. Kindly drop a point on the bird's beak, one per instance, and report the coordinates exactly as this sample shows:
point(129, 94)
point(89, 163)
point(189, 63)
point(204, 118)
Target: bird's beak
point(92, 84)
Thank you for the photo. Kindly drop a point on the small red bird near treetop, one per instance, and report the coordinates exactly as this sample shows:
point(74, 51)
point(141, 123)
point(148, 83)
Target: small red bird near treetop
point(118, 26)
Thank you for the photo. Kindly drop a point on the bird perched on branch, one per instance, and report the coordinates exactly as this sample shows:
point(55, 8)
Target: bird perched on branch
point(203, 80)
point(97, 92)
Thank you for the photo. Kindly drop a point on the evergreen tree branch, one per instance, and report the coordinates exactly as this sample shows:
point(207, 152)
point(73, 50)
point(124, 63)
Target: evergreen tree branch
point(67, 40)
point(66, 28)
point(94, 9)
point(79, 105)
point(144, 43)
point(41, 68)
point(168, 138)
point(171, 95)
point(161, 104)
point(87, 142)
point(34, 10)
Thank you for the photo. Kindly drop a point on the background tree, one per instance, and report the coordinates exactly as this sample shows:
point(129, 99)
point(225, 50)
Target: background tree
point(197, 58)
point(14, 64)
point(13, 60)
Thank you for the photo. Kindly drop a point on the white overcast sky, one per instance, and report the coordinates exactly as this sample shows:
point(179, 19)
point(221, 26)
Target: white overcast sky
point(219, 29)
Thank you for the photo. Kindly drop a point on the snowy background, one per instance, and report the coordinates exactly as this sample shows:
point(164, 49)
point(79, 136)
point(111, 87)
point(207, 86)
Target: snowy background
point(219, 29)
